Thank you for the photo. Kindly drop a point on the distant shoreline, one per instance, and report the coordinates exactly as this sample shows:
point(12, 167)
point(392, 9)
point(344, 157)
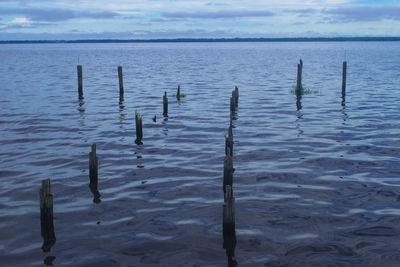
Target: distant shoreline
point(210, 40)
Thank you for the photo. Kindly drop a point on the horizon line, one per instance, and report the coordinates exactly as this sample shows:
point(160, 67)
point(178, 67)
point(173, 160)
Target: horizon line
point(235, 39)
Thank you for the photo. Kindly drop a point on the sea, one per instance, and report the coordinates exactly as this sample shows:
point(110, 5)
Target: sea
point(316, 177)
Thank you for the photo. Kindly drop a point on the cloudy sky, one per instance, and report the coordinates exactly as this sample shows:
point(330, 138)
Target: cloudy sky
point(147, 19)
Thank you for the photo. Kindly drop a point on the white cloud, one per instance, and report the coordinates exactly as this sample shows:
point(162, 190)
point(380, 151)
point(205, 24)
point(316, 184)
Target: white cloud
point(21, 20)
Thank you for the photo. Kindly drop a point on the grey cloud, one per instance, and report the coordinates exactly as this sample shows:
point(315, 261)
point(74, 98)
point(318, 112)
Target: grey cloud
point(28, 26)
point(64, 36)
point(53, 15)
point(217, 14)
point(363, 13)
point(301, 11)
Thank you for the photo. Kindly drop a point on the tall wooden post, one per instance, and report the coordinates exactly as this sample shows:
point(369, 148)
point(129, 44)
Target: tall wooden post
point(93, 166)
point(80, 81)
point(344, 74)
point(121, 83)
point(299, 74)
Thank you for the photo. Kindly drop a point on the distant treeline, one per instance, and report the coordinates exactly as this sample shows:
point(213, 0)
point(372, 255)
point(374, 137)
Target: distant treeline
point(193, 40)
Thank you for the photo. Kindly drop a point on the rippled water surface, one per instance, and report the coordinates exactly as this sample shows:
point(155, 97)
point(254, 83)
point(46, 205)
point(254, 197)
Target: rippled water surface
point(316, 180)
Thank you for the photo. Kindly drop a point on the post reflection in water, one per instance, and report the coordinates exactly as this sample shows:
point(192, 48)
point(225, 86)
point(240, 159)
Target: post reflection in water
point(81, 103)
point(298, 100)
point(228, 226)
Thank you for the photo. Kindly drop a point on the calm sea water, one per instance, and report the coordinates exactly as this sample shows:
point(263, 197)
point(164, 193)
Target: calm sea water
point(316, 182)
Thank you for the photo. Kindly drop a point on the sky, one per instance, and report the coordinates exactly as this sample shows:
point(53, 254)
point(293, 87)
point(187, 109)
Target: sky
point(152, 19)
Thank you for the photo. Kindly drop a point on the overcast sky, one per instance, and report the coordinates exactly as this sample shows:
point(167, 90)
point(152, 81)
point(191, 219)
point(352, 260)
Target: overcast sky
point(147, 19)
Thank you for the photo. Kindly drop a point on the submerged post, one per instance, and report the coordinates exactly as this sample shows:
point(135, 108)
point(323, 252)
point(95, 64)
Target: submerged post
point(80, 81)
point(46, 216)
point(139, 129)
point(93, 166)
point(344, 73)
point(121, 83)
point(165, 105)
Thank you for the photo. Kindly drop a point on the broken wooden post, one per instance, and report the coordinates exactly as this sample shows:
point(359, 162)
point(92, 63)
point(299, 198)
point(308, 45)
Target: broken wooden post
point(230, 132)
point(344, 73)
point(93, 166)
point(298, 84)
point(46, 216)
point(139, 128)
point(232, 106)
point(93, 174)
point(236, 95)
point(178, 93)
point(228, 169)
point(165, 105)
point(80, 81)
point(121, 83)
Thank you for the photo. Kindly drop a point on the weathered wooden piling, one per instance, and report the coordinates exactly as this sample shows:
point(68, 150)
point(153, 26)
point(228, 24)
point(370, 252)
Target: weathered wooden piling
point(178, 93)
point(299, 74)
point(93, 166)
point(229, 146)
point(344, 74)
point(165, 105)
point(80, 81)
point(93, 174)
point(232, 106)
point(139, 129)
point(228, 170)
point(46, 216)
point(121, 83)
point(236, 95)
point(230, 131)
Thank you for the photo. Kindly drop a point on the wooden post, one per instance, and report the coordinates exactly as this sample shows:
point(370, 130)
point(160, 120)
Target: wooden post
point(80, 81)
point(93, 166)
point(139, 129)
point(236, 95)
point(46, 216)
point(228, 170)
point(178, 93)
point(298, 84)
point(230, 132)
point(165, 104)
point(229, 146)
point(232, 104)
point(344, 74)
point(121, 83)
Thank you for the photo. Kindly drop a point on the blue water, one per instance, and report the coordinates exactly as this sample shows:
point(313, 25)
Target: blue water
point(316, 180)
